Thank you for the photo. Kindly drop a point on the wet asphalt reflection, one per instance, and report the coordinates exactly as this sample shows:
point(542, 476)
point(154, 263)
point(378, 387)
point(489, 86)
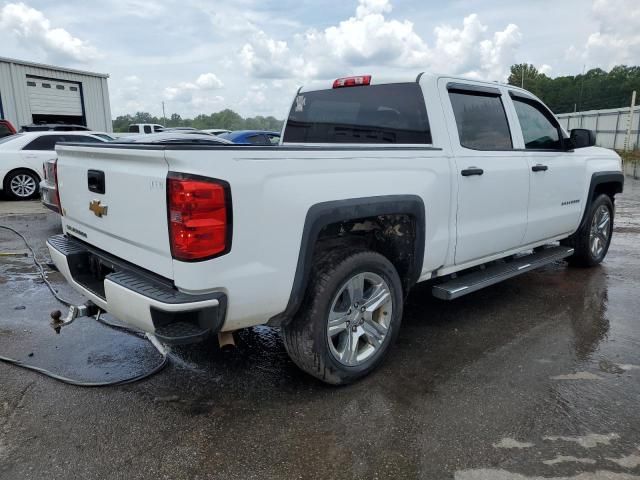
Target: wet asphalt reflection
point(536, 377)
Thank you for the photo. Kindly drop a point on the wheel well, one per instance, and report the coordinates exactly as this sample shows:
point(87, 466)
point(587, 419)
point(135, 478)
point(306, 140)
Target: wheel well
point(392, 235)
point(21, 169)
point(607, 188)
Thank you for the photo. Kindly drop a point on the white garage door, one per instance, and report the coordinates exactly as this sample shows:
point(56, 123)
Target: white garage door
point(53, 97)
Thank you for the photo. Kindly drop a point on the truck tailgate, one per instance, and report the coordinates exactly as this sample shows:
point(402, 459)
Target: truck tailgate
point(129, 219)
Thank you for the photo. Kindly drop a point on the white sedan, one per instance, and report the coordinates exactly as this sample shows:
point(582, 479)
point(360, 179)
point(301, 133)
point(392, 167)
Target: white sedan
point(22, 157)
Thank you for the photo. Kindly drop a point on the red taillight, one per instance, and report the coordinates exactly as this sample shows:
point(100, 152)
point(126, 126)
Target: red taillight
point(352, 81)
point(55, 178)
point(199, 217)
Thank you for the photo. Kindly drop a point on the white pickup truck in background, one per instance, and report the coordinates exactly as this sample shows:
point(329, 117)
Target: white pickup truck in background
point(376, 185)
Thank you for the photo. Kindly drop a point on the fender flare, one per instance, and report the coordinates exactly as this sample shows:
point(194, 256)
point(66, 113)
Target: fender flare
point(598, 178)
point(322, 214)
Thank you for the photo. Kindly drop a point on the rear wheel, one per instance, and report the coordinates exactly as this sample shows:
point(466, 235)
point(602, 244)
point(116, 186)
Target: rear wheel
point(22, 185)
point(591, 242)
point(349, 319)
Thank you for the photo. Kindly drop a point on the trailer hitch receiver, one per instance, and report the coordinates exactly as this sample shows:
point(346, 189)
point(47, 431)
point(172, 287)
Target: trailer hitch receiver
point(88, 309)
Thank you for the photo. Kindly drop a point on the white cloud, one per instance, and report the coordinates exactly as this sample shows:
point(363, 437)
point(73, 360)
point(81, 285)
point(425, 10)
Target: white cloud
point(196, 96)
point(617, 40)
point(32, 26)
point(264, 57)
point(369, 39)
point(209, 81)
point(472, 51)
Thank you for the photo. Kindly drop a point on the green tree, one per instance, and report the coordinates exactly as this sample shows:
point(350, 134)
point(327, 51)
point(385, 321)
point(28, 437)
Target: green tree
point(596, 89)
point(225, 119)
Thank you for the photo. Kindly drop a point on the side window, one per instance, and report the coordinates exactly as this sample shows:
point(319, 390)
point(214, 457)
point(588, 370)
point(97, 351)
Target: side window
point(157, 128)
point(539, 129)
point(45, 142)
point(274, 139)
point(80, 139)
point(481, 120)
point(147, 129)
point(256, 140)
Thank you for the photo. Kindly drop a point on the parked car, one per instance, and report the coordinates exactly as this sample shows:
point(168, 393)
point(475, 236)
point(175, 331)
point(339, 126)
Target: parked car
point(377, 186)
point(145, 128)
point(182, 137)
point(252, 137)
point(6, 128)
point(181, 129)
point(215, 131)
point(22, 157)
point(57, 127)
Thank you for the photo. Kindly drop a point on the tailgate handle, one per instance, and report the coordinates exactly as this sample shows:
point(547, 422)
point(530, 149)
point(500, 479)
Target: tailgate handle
point(95, 181)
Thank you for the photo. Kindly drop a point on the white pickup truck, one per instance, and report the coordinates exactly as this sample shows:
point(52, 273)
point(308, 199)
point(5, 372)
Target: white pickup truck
point(376, 186)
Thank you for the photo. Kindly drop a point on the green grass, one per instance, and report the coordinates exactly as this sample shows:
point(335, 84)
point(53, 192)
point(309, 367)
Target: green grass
point(630, 156)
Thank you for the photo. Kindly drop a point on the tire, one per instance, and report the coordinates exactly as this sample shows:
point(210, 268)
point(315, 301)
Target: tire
point(591, 241)
point(333, 290)
point(22, 185)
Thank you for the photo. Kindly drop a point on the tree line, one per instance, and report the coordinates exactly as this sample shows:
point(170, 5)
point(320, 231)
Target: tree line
point(226, 119)
point(596, 89)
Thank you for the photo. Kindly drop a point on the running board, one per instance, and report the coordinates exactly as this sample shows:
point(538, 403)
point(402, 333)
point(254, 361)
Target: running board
point(472, 282)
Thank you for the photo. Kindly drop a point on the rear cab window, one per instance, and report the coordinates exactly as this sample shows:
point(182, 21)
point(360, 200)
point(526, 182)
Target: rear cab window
point(375, 114)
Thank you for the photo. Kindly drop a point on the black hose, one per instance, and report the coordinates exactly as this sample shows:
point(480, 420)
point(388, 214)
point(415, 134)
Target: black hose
point(70, 381)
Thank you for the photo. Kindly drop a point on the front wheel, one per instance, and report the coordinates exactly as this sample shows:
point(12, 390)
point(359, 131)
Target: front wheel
point(349, 318)
point(591, 242)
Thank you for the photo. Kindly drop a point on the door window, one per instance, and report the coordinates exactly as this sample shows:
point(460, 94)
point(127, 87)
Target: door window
point(147, 129)
point(45, 142)
point(481, 120)
point(539, 129)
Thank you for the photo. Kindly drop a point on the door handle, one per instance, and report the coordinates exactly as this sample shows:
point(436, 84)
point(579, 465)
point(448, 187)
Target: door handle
point(539, 168)
point(472, 171)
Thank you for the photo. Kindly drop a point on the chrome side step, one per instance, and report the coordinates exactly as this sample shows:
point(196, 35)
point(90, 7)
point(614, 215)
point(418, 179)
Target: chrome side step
point(471, 282)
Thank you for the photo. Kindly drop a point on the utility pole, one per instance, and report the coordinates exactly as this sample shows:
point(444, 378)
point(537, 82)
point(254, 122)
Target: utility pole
point(584, 67)
point(627, 138)
point(164, 117)
point(522, 76)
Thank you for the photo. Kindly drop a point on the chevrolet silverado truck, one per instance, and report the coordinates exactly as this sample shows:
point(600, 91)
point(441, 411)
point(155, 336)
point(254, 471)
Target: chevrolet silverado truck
point(376, 185)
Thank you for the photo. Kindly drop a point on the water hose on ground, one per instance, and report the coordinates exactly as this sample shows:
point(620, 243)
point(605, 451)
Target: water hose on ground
point(70, 381)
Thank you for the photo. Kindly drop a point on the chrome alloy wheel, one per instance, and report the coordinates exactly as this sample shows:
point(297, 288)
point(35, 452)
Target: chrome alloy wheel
point(359, 318)
point(23, 185)
point(600, 231)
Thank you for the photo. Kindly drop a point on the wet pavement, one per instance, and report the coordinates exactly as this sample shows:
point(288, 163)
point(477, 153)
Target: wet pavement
point(537, 377)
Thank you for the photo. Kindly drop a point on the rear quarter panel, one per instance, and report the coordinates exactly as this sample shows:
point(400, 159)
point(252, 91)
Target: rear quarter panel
point(272, 190)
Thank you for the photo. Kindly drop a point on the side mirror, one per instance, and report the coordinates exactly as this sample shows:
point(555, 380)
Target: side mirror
point(581, 137)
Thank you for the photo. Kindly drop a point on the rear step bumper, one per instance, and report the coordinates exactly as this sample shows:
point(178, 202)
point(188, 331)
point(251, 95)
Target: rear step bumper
point(471, 282)
point(135, 296)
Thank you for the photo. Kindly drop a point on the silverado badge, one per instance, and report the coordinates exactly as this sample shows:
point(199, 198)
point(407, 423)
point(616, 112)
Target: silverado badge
point(97, 209)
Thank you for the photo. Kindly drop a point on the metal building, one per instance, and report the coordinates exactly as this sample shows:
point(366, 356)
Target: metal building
point(35, 93)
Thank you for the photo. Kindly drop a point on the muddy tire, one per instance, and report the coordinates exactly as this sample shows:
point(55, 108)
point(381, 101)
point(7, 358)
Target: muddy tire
point(591, 242)
point(349, 318)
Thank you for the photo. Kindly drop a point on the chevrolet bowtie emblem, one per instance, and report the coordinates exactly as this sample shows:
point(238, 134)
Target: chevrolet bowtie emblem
point(97, 209)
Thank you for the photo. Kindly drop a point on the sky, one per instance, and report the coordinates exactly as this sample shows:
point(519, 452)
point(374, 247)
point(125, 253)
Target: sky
point(202, 56)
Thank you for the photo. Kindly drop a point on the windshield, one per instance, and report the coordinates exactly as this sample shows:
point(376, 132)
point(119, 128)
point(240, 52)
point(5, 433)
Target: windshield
point(390, 113)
